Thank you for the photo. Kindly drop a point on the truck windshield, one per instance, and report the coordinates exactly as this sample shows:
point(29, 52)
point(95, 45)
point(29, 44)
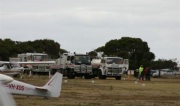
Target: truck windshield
point(114, 61)
point(82, 59)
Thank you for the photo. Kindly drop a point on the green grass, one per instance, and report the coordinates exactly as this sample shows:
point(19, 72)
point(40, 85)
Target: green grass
point(109, 92)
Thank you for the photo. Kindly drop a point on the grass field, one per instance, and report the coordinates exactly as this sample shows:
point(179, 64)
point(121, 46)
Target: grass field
point(109, 92)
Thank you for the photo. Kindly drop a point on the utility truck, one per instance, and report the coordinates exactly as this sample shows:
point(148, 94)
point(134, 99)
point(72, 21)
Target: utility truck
point(38, 63)
point(73, 65)
point(110, 67)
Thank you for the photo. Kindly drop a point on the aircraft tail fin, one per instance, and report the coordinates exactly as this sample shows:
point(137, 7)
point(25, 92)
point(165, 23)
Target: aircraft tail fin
point(53, 85)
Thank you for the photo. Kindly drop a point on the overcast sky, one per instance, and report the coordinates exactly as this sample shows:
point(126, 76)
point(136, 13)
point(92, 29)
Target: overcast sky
point(84, 25)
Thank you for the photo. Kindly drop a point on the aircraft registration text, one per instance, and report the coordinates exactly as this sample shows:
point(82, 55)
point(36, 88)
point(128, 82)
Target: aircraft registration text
point(16, 87)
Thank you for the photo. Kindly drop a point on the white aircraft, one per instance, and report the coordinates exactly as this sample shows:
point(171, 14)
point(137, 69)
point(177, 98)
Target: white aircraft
point(51, 89)
point(14, 68)
point(10, 68)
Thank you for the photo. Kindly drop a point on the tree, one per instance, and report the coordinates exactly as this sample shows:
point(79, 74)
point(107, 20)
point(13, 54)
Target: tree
point(99, 49)
point(134, 49)
point(92, 54)
point(163, 63)
point(9, 48)
point(48, 46)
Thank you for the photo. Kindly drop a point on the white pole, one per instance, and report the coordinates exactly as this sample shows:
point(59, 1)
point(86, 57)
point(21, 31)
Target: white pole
point(30, 73)
point(49, 74)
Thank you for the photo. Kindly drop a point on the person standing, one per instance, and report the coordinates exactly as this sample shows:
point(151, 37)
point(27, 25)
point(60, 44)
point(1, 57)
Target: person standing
point(141, 72)
point(149, 74)
point(136, 73)
point(146, 72)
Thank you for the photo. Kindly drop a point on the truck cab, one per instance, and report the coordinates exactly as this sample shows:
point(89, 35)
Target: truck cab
point(75, 65)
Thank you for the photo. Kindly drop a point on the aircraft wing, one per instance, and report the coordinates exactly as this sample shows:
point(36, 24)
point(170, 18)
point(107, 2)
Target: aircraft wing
point(4, 62)
point(38, 62)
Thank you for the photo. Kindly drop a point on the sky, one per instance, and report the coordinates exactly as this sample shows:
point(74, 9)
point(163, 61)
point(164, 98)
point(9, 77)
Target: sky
point(84, 25)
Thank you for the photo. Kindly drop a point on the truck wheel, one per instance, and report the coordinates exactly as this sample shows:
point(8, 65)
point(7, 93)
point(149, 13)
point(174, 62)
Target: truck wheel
point(53, 71)
point(95, 72)
point(26, 72)
point(104, 77)
point(87, 77)
point(70, 75)
point(118, 78)
point(100, 74)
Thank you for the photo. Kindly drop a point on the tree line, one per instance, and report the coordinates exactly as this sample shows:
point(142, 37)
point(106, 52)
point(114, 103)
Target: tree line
point(134, 49)
point(137, 51)
point(9, 48)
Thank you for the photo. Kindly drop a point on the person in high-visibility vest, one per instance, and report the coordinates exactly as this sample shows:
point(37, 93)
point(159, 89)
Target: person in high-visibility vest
point(140, 72)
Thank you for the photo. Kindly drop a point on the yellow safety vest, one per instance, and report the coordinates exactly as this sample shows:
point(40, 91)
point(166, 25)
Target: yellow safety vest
point(140, 70)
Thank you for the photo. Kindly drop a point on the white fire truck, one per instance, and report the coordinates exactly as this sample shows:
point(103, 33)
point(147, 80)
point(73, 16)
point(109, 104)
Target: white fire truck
point(110, 67)
point(73, 65)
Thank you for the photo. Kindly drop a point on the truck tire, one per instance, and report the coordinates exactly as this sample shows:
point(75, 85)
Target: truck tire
point(104, 77)
point(26, 72)
point(95, 72)
point(100, 74)
point(70, 75)
point(53, 71)
point(118, 77)
point(87, 76)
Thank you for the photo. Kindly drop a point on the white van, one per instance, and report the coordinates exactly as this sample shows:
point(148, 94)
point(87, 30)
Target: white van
point(164, 73)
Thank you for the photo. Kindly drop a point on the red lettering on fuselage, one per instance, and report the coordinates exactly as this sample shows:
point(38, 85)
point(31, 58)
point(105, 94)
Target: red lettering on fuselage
point(16, 87)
